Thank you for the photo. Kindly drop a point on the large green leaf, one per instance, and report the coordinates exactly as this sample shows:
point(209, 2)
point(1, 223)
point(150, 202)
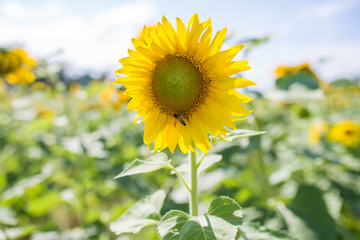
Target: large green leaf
point(307, 215)
point(8, 216)
point(209, 227)
point(144, 213)
point(150, 164)
point(256, 232)
point(208, 161)
point(44, 204)
point(227, 209)
point(172, 223)
point(297, 227)
point(21, 187)
point(219, 223)
point(17, 232)
point(235, 134)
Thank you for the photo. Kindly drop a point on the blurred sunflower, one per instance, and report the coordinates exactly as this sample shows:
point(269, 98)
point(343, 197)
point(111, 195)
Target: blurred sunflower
point(16, 65)
point(346, 132)
point(113, 97)
point(108, 94)
point(317, 131)
point(2, 88)
point(44, 112)
point(40, 86)
point(120, 100)
point(74, 89)
point(282, 71)
point(181, 85)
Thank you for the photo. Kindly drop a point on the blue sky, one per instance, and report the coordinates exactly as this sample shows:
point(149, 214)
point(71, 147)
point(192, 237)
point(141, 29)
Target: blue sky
point(93, 35)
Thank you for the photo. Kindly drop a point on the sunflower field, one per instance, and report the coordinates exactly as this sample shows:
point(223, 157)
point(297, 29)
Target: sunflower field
point(295, 174)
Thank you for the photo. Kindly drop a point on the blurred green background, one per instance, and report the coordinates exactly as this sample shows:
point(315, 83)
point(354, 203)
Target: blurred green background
point(63, 140)
point(65, 131)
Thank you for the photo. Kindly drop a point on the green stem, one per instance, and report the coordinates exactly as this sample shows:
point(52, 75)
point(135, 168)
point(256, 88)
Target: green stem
point(180, 176)
point(193, 180)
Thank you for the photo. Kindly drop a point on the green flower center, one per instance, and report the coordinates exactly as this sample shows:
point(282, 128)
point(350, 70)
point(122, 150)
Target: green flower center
point(178, 85)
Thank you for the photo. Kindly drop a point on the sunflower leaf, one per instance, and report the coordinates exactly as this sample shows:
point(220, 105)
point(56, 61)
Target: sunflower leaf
point(307, 215)
point(220, 222)
point(144, 213)
point(208, 161)
point(255, 232)
point(227, 209)
point(235, 134)
point(151, 164)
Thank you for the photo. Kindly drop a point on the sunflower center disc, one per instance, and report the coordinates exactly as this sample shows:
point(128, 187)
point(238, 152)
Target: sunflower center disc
point(176, 84)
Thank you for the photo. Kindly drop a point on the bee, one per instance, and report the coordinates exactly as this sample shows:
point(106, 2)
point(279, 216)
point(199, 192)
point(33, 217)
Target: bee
point(178, 117)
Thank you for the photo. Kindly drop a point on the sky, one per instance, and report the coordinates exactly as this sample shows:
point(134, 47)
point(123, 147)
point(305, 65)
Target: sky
point(91, 36)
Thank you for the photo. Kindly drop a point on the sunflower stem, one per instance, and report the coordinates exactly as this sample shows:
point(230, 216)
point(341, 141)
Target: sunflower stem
point(193, 180)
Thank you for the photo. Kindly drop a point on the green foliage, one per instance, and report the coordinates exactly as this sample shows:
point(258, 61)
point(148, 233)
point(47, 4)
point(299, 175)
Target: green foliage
point(220, 222)
point(143, 214)
point(61, 148)
point(309, 206)
point(346, 82)
point(235, 134)
point(151, 164)
point(256, 232)
point(302, 77)
point(208, 161)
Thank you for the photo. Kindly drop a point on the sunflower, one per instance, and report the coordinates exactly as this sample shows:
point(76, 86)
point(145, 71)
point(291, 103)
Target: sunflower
point(181, 85)
point(346, 132)
point(113, 97)
point(317, 131)
point(17, 66)
point(282, 71)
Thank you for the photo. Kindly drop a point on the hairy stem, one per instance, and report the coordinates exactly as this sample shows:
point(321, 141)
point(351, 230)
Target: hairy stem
point(193, 180)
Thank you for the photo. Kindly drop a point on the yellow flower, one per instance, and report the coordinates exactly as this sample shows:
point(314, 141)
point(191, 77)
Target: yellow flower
point(40, 86)
point(282, 71)
point(107, 94)
point(121, 99)
point(20, 76)
point(44, 112)
point(113, 97)
point(181, 85)
point(2, 88)
point(74, 89)
point(346, 132)
point(316, 131)
point(25, 59)
point(17, 66)
point(8, 62)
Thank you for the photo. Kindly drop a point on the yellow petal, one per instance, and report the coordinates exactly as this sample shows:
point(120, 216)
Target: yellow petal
point(181, 34)
point(217, 41)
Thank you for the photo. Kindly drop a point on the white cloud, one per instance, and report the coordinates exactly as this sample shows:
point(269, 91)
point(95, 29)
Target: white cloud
point(94, 44)
point(14, 10)
point(328, 9)
point(97, 42)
